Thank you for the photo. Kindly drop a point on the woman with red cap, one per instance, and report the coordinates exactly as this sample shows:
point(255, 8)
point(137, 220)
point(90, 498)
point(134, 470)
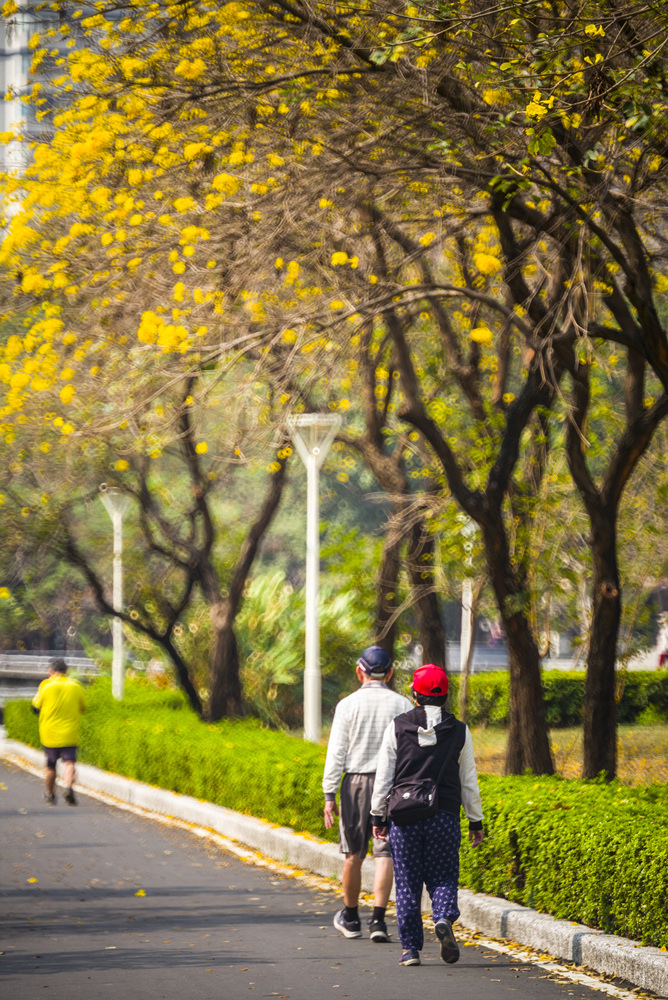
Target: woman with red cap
point(428, 748)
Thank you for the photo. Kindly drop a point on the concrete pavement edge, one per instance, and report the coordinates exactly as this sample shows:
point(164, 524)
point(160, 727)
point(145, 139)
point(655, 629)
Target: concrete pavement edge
point(643, 966)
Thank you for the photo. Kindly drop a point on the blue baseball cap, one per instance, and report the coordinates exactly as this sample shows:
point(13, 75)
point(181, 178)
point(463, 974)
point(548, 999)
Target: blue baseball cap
point(375, 661)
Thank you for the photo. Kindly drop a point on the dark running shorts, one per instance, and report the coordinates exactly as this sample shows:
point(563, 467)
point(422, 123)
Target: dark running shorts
point(355, 817)
point(53, 753)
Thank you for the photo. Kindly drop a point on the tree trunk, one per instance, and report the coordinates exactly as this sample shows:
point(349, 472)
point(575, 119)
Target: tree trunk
point(600, 707)
point(528, 738)
point(182, 673)
point(425, 598)
point(388, 578)
point(225, 695)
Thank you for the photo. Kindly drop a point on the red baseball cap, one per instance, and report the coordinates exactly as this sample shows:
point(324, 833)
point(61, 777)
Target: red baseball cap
point(430, 679)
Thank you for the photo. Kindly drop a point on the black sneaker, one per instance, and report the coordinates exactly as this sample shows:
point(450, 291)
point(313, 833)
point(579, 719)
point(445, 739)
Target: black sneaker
point(349, 928)
point(378, 931)
point(50, 800)
point(69, 797)
point(449, 946)
point(410, 957)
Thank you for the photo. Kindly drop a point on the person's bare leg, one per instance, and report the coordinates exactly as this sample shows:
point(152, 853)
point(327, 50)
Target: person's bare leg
point(50, 781)
point(382, 881)
point(68, 773)
point(352, 879)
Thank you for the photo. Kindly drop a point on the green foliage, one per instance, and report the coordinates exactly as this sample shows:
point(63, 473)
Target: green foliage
point(643, 692)
point(488, 696)
point(21, 722)
point(270, 629)
point(590, 852)
point(586, 851)
point(639, 691)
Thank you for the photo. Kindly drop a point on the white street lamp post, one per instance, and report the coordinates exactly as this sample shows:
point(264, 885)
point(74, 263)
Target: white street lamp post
point(468, 530)
point(467, 624)
point(116, 504)
point(313, 434)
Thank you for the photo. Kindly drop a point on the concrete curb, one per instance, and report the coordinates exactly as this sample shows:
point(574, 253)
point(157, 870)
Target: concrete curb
point(498, 918)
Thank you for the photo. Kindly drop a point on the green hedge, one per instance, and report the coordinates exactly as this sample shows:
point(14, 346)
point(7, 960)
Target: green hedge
point(638, 691)
point(590, 852)
point(241, 765)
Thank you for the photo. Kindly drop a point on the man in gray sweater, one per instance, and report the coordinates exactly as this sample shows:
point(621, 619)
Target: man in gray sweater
point(357, 731)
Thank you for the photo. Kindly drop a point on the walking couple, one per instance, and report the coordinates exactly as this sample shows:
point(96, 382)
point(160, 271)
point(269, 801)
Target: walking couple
point(418, 758)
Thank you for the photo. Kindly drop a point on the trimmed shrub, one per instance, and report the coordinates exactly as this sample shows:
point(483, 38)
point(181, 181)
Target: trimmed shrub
point(590, 852)
point(638, 691)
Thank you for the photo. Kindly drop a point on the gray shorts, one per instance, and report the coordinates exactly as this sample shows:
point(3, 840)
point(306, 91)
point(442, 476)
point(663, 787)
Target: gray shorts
point(355, 817)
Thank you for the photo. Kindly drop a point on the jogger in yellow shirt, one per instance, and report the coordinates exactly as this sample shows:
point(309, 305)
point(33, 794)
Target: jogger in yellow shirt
point(59, 703)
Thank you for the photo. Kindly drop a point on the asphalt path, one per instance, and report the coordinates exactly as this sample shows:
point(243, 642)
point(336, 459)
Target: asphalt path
point(98, 902)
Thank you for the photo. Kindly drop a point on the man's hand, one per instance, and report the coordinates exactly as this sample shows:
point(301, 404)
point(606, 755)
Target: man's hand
point(380, 832)
point(476, 837)
point(331, 810)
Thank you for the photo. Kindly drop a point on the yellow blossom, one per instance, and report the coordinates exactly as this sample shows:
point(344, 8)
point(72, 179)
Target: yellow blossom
point(194, 149)
point(486, 263)
point(190, 69)
point(482, 335)
point(184, 204)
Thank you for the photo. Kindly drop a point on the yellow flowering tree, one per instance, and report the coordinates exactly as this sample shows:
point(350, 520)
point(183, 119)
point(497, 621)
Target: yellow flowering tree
point(266, 178)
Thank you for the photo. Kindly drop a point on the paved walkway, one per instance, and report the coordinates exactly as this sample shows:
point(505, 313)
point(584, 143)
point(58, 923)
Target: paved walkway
point(100, 902)
point(647, 967)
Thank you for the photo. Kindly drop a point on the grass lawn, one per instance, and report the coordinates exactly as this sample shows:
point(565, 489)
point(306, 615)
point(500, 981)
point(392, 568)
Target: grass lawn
point(642, 752)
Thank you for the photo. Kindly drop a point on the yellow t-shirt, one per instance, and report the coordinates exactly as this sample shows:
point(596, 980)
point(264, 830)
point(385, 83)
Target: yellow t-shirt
point(60, 702)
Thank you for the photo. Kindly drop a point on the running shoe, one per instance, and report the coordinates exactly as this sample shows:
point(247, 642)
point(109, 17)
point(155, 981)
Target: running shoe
point(349, 928)
point(449, 946)
point(378, 931)
point(410, 957)
point(69, 797)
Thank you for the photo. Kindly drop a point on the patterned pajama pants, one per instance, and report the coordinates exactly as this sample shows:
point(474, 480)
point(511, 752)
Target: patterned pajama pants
point(425, 852)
